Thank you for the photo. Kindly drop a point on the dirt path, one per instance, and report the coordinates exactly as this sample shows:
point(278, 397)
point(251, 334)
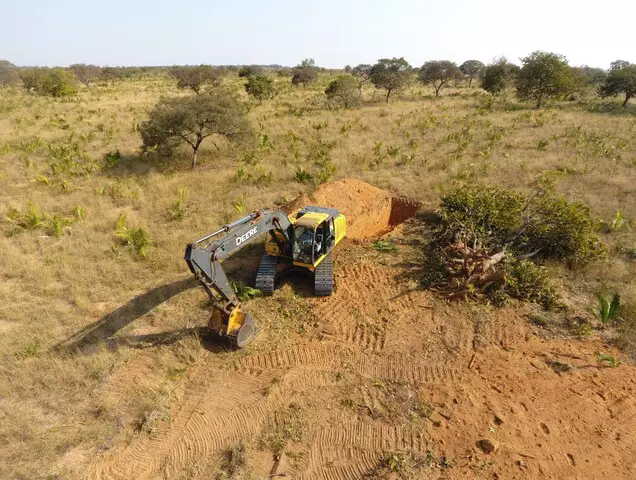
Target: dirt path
point(385, 371)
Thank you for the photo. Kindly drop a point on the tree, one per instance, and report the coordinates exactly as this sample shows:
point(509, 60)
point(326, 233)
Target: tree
point(193, 118)
point(543, 75)
point(196, 77)
point(111, 74)
point(620, 80)
point(260, 87)
point(390, 74)
point(86, 73)
point(249, 70)
point(362, 73)
point(471, 69)
point(438, 73)
point(308, 63)
point(495, 78)
point(8, 73)
point(343, 90)
point(304, 76)
point(55, 82)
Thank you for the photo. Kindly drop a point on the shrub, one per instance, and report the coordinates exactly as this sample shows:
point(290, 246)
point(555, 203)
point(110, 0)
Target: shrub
point(138, 239)
point(260, 87)
point(249, 70)
point(344, 91)
point(525, 280)
point(54, 82)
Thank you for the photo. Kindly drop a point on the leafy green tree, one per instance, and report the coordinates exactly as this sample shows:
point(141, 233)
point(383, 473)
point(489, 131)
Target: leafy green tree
point(362, 73)
point(196, 77)
point(390, 74)
point(55, 82)
point(8, 73)
point(543, 75)
point(438, 73)
point(86, 74)
point(471, 69)
point(193, 118)
point(344, 90)
point(308, 63)
point(260, 87)
point(621, 80)
point(497, 76)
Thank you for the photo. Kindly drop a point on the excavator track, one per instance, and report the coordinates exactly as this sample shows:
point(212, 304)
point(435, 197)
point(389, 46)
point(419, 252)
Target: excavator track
point(266, 274)
point(323, 277)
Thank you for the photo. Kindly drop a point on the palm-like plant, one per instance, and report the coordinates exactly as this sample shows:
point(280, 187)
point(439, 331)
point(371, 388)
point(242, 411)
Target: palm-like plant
point(607, 308)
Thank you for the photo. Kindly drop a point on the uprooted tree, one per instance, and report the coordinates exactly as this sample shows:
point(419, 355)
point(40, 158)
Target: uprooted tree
point(390, 74)
point(621, 80)
point(191, 119)
point(490, 242)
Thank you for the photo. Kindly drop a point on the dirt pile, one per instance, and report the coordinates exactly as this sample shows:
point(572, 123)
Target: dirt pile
point(370, 211)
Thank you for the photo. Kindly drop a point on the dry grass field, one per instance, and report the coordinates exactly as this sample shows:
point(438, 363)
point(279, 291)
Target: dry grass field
point(106, 370)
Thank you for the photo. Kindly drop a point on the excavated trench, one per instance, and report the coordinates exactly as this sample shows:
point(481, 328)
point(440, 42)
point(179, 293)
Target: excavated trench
point(370, 211)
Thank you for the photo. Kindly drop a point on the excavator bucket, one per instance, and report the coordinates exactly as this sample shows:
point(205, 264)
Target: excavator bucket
point(238, 326)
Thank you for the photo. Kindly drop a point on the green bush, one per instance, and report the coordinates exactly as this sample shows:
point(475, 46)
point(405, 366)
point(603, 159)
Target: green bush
point(481, 213)
point(525, 280)
point(54, 82)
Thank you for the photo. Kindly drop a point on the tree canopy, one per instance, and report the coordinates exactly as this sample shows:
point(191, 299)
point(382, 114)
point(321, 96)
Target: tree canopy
point(260, 87)
point(55, 82)
point(390, 74)
point(303, 76)
point(343, 90)
point(621, 80)
point(193, 118)
point(86, 74)
point(196, 77)
point(543, 75)
point(438, 73)
point(362, 73)
point(471, 69)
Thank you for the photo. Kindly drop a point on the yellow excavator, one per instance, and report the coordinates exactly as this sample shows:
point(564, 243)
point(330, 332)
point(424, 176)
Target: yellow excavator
point(304, 239)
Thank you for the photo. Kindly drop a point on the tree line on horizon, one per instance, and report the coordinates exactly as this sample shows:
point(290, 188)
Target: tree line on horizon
point(541, 76)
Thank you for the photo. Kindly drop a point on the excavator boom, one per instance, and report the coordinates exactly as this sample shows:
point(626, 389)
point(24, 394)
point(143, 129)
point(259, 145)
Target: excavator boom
point(204, 257)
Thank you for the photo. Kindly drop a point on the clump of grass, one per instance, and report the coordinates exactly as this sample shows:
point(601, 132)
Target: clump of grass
point(608, 359)
point(177, 210)
point(384, 246)
point(608, 308)
point(138, 239)
point(29, 350)
point(33, 219)
point(303, 176)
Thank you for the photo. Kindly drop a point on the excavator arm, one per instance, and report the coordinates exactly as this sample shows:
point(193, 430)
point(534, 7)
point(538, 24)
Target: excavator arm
point(204, 257)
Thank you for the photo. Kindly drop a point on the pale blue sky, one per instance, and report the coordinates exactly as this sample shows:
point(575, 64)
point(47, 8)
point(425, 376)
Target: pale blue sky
point(334, 32)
